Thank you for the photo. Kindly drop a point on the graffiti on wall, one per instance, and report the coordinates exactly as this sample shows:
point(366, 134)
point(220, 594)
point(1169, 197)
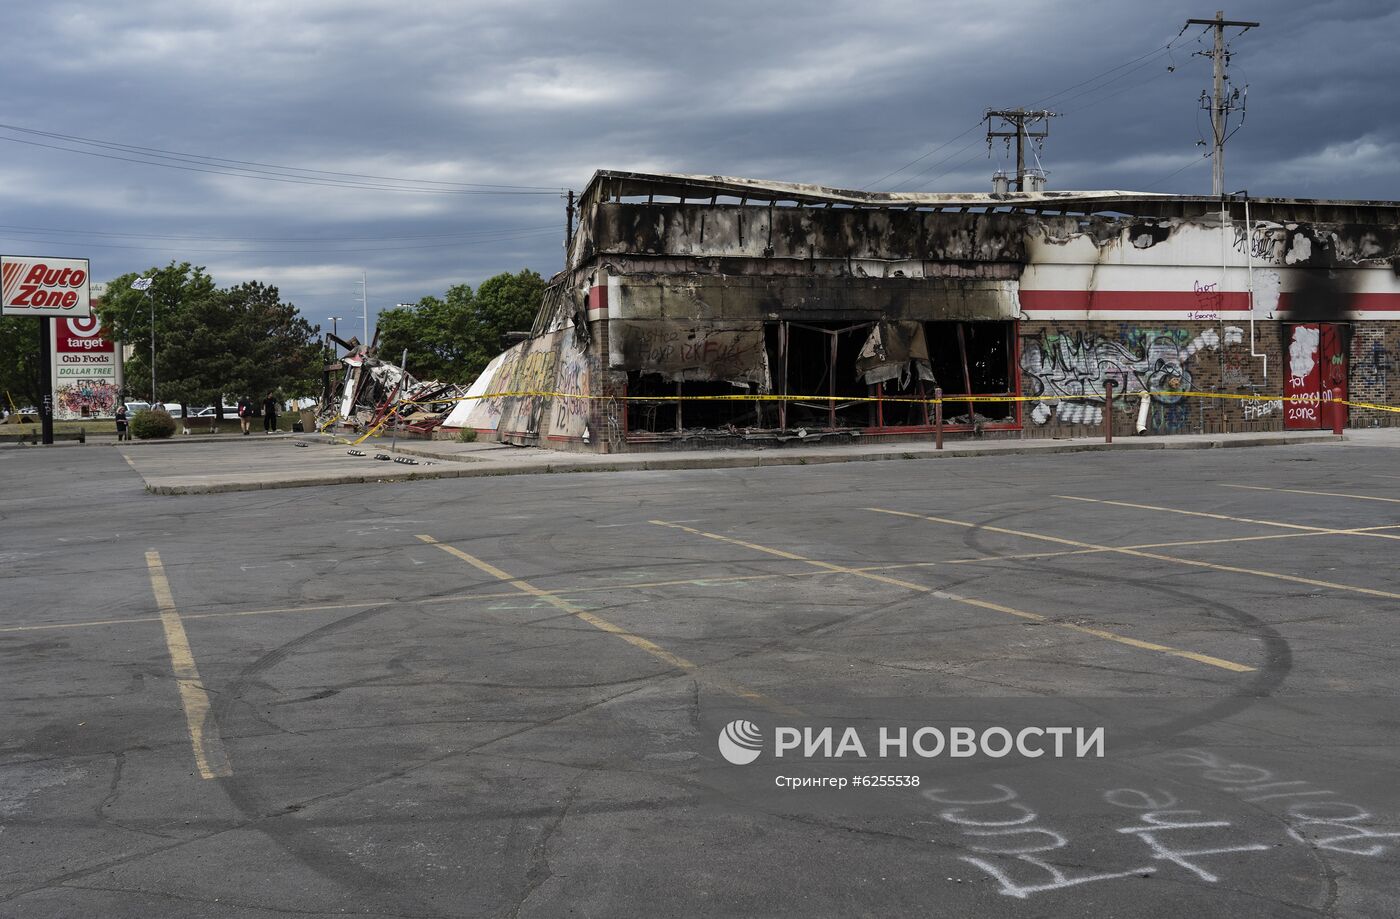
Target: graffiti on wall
point(85, 399)
point(574, 378)
point(1074, 366)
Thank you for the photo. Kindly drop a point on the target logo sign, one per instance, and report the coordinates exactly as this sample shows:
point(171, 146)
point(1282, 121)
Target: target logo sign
point(83, 326)
point(80, 334)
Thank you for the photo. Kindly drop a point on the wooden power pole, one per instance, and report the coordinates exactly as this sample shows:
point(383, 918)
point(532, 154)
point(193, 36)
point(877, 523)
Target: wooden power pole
point(1020, 122)
point(1220, 104)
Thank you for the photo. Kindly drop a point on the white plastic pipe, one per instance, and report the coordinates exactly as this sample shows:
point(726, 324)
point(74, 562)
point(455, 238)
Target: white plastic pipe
point(1249, 266)
point(1144, 400)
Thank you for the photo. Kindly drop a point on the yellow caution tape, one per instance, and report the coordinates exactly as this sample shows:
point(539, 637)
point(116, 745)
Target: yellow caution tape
point(929, 400)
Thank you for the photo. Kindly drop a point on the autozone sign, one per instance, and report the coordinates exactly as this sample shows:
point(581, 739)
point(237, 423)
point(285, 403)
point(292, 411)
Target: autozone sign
point(36, 286)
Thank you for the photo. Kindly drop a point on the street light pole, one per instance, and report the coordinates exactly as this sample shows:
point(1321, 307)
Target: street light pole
point(144, 285)
point(152, 302)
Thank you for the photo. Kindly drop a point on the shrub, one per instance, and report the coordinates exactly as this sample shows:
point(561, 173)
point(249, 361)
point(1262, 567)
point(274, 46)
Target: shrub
point(466, 435)
point(153, 423)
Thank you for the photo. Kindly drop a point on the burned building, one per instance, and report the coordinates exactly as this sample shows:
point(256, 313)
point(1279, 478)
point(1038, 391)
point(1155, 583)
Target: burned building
point(703, 310)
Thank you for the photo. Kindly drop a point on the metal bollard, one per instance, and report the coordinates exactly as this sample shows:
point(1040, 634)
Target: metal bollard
point(938, 418)
point(1108, 411)
point(1339, 417)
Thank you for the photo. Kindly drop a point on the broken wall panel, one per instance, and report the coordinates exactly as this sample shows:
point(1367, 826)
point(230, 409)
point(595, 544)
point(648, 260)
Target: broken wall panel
point(480, 410)
point(573, 381)
point(701, 230)
point(691, 350)
point(705, 298)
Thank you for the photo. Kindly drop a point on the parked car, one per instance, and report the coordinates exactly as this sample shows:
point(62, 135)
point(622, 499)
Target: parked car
point(133, 407)
point(230, 411)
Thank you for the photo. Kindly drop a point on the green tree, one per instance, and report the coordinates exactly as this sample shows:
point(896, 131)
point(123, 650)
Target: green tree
point(437, 334)
point(270, 347)
point(19, 361)
point(506, 303)
point(182, 297)
point(453, 339)
point(212, 343)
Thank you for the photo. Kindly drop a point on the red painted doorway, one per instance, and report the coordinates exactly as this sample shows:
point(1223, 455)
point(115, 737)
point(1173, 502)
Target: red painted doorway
point(1316, 367)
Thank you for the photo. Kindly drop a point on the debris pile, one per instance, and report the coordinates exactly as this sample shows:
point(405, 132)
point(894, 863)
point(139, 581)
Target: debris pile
point(361, 390)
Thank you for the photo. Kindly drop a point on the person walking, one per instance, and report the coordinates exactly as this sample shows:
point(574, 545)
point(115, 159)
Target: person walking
point(120, 417)
point(245, 413)
point(270, 414)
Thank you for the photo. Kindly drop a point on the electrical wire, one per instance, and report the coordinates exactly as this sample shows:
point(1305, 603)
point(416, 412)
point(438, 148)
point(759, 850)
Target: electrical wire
point(204, 159)
point(249, 174)
point(507, 237)
point(1118, 92)
point(921, 158)
point(967, 162)
point(1171, 175)
point(958, 152)
point(1154, 53)
point(272, 239)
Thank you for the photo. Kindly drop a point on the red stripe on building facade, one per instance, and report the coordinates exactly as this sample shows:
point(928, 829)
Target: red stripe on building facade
point(1174, 301)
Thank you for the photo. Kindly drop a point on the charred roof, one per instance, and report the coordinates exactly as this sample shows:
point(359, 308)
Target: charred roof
point(610, 185)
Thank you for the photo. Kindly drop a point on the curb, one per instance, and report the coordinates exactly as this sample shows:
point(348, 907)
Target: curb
point(736, 460)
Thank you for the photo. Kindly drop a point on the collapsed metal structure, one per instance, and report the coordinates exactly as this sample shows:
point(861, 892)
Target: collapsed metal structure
point(361, 391)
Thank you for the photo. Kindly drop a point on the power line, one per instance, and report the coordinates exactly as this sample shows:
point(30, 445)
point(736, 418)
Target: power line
point(967, 162)
point(1171, 175)
point(506, 237)
point(1155, 52)
point(1120, 91)
point(921, 158)
point(204, 159)
point(972, 143)
point(271, 239)
point(235, 172)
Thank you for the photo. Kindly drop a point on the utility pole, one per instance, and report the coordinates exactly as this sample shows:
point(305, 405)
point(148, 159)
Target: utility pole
point(568, 226)
point(1020, 120)
point(364, 302)
point(364, 305)
point(1220, 105)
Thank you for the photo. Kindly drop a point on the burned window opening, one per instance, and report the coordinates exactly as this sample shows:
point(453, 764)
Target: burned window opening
point(973, 358)
point(818, 362)
point(653, 406)
point(858, 375)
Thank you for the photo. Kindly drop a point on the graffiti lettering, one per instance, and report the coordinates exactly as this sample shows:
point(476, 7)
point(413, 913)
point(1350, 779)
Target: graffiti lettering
point(1076, 365)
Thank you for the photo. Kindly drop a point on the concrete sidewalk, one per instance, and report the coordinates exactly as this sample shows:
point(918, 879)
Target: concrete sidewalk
point(306, 460)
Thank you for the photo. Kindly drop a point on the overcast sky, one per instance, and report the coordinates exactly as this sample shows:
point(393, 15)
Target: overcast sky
point(542, 94)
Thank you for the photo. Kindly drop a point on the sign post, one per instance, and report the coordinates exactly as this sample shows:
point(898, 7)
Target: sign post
point(45, 288)
point(46, 381)
point(86, 370)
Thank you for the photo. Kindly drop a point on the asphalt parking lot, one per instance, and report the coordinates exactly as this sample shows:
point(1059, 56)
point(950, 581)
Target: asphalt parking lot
point(504, 696)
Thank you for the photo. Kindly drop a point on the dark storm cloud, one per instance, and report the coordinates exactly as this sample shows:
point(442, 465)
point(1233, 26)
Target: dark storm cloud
point(544, 93)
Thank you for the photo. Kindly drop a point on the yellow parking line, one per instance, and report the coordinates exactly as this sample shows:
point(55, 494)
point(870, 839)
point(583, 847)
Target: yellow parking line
point(637, 641)
point(970, 601)
point(1311, 530)
point(638, 585)
point(1303, 491)
point(1123, 550)
point(209, 754)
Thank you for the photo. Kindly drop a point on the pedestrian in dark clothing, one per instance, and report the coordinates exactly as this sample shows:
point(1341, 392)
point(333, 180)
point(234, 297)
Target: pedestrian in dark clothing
point(270, 413)
point(120, 417)
point(245, 413)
